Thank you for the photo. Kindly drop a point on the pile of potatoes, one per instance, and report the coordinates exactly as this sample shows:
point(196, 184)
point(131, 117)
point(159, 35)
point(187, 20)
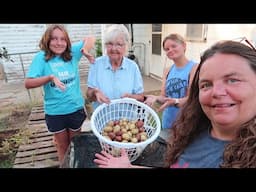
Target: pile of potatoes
point(124, 130)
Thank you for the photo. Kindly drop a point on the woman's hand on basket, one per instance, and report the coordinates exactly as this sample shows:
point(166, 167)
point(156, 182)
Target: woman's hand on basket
point(105, 160)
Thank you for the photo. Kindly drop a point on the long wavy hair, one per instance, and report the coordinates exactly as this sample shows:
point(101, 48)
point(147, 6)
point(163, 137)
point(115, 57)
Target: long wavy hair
point(191, 121)
point(45, 42)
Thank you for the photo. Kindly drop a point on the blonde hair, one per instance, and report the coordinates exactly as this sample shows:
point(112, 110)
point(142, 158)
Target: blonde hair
point(175, 37)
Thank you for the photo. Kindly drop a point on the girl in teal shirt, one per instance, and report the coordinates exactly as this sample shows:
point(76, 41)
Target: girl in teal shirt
point(55, 68)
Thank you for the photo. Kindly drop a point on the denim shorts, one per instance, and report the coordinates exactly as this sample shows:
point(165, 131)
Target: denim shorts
point(59, 123)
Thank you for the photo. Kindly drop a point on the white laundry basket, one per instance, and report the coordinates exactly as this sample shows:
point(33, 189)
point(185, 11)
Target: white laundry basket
point(131, 110)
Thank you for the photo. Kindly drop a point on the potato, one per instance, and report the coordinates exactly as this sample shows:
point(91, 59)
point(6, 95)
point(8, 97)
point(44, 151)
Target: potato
point(119, 133)
point(135, 131)
point(111, 123)
point(134, 140)
point(143, 137)
point(126, 136)
point(116, 128)
point(124, 130)
point(141, 129)
point(116, 122)
point(139, 123)
point(118, 138)
point(112, 135)
point(108, 129)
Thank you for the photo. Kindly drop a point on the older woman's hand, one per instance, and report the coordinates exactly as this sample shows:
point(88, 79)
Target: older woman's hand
point(100, 97)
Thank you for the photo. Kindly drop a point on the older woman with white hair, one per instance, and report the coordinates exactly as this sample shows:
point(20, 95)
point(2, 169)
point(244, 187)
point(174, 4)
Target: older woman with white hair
point(114, 76)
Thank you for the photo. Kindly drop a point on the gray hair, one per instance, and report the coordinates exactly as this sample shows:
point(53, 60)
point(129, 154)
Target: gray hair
point(116, 30)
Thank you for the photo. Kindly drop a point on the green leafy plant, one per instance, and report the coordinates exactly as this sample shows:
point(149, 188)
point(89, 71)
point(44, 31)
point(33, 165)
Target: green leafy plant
point(98, 48)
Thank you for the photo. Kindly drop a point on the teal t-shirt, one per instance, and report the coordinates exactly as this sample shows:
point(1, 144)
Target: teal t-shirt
point(56, 101)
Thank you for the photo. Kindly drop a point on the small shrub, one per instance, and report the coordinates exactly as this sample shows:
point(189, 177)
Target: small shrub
point(98, 48)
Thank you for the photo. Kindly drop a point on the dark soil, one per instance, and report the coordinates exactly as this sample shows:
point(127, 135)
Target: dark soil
point(16, 119)
point(11, 124)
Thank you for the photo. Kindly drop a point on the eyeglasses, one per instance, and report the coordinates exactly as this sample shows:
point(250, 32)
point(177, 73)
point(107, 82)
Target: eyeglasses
point(117, 46)
point(245, 41)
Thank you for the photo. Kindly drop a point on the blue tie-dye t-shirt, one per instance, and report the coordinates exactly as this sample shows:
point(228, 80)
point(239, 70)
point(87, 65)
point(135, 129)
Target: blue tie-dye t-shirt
point(176, 86)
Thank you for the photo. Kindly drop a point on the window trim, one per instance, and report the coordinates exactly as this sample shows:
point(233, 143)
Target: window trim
point(201, 38)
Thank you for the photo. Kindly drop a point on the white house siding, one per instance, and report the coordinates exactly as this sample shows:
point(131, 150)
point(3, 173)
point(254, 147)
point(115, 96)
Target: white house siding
point(142, 45)
point(24, 38)
point(19, 38)
point(215, 32)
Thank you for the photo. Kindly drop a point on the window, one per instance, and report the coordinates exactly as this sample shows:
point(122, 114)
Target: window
point(196, 32)
point(156, 38)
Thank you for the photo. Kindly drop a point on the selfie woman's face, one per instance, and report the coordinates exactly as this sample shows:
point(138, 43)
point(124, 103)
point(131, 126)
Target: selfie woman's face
point(227, 90)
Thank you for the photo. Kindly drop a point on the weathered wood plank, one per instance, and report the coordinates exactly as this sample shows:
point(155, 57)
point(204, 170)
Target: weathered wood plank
point(41, 134)
point(29, 159)
point(37, 125)
point(38, 145)
point(40, 151)
point(36, 122)
point(34, 128)
point(35, 140)
point(39, 110)
point(40, 129)
point(47, 163)
point(39, 107)
point(36, 152)
point(36, 117)
point(37, 131)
